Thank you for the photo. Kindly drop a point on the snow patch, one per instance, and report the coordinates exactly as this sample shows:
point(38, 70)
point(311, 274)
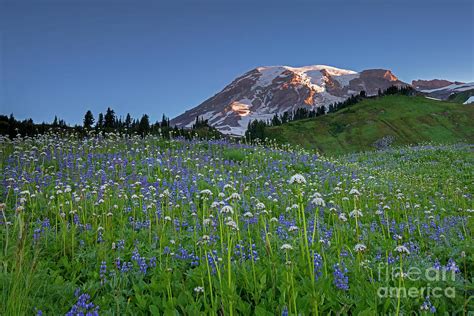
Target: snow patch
point(311, 74)
point(470, 100)
point(241, 107)
point(268, 74)
point(333, 71)
point(345, 79)
point(454, 87)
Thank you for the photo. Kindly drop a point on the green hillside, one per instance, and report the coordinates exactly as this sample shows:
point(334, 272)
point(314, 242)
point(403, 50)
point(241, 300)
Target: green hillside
point(461, 97)
point(399, 120)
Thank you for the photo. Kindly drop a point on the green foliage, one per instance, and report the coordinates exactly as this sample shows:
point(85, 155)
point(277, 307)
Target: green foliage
point(143, 201)
point(88, 120)
point(461, 97)
point(256, 129)
point(405, 119)
point(236, 155)
point(109, 123)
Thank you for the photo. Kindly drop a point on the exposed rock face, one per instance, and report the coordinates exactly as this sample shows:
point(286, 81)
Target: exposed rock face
point(264, 91)
point(443, 92)
point(384, 142)
point(430, 84)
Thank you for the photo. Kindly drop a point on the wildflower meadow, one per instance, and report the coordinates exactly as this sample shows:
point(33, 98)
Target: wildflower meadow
point(127, 225)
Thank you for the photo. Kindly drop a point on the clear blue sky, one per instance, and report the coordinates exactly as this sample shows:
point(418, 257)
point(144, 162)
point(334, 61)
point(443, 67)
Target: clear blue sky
point(65, 57)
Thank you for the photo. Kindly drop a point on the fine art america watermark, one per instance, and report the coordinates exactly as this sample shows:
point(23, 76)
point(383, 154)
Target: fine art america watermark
point(429, 275)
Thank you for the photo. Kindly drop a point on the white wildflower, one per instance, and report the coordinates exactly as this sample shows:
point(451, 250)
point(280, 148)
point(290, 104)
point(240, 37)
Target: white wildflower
point(260, 206)
point(402, 249)
point(227, 209)
point(354, 191)
point(360, 247)
point(286, 247)
point(318, 202)
point(297, 178)
point(234, 197)
point(199, 289)
point(293, 228)
point(232, 224)
point(228, 187)
point(206, 192)
point(356, 213)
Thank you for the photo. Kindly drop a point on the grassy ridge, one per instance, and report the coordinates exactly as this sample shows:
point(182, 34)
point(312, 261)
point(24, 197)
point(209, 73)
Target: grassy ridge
point(461, 97)
point(406, 120)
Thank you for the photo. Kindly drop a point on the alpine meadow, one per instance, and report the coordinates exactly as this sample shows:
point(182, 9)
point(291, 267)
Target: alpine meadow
point(240, 157)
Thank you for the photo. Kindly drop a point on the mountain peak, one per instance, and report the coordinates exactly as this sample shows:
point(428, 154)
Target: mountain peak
point(264, 91)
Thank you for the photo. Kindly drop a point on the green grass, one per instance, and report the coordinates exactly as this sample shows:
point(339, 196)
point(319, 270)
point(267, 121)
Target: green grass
point(131, 225)
point(409, 120)
point(461, 97)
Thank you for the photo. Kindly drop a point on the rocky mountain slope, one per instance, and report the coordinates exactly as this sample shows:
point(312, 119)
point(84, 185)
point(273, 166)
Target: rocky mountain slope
point(265, 91)
point(442, 89)
point(432, 84)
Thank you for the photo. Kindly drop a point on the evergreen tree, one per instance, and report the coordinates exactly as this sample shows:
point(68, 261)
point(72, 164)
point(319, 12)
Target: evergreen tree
point(100, 121)
point(144, 125)
point(276, 120)
point(109, 119)
point(128, 121)
point(164, 121)
point(88, 120)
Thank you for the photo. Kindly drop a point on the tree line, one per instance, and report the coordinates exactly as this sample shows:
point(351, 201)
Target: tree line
point(107, 123)
point(256, 128)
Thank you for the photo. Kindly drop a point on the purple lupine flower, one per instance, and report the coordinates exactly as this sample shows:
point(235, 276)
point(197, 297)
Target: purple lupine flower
point(99, 237)
point(135, 255)
point(391, 259)
point(46, 223)
point(318, 264)
point(121, 244)
point(142, 265)
point(428, 306)
point(341, 280)
point(452, 266)
point(126, 267)
point(83, 306)
point(76, 220)
point(37, 234)
point(117, 262)
point(102, 272)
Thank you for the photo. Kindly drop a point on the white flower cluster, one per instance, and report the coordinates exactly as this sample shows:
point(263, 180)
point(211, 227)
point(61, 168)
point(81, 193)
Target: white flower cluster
point(298, 179)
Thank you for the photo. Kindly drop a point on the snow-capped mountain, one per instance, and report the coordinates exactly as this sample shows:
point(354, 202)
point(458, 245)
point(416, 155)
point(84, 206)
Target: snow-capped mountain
point(441, 89)
point(264, 91)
